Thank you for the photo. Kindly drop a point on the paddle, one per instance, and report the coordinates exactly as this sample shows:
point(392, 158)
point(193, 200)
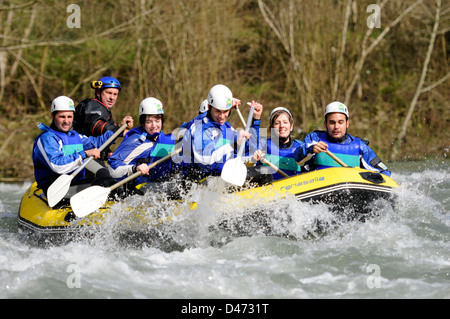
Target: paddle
point(336, 158)
point(58, 189)
point(265, 161)
point(234, 170)
point(240, 114)
point(92, 198)
point(307, 158)
point(274, 167)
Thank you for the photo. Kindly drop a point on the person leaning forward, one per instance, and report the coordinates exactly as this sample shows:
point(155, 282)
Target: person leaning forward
point(351, 150)
point(61, 150)
point(210, 140)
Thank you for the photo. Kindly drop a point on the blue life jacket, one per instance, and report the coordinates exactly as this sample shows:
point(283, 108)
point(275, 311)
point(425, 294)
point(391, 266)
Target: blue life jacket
point(47, 170)
point(352, 151)
point(283, 158)
point(140, 147)
point(349, 153)
point(207, 146)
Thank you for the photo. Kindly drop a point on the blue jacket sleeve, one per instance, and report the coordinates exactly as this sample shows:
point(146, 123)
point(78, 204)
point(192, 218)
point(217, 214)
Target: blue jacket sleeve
point(95, 141)
point(51, 153)
point(121, 163)
point(254, 141)
point(370, 160)
point(306, 146)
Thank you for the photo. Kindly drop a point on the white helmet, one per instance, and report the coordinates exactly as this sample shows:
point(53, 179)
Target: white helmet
point(336, 107)
point(280, 108)
point(150, 105)
point(220, 97)
point(63, 103)
point(203, 107)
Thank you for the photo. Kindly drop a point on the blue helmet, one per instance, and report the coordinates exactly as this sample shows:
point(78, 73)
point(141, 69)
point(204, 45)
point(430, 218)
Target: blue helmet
point(106, 82)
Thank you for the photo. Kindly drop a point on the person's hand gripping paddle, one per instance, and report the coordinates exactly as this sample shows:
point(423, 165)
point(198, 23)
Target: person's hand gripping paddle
point(234, 170)
point(59, 188)
point(94, 197)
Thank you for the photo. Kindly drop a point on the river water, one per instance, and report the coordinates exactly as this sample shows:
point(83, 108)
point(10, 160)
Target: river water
point(403, 253)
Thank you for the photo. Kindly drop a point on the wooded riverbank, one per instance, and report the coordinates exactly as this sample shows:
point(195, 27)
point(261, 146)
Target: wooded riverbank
point(393, 74)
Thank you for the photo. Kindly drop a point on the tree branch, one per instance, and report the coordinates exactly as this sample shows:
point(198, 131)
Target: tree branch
point(365, 52)
point(435, 84)
point(117, 29)
point(18, 7)
point(412, 106)
point(342, 50)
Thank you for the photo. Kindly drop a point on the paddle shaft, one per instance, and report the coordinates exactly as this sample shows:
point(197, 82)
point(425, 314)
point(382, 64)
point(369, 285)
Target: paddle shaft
point(240, 115)
point(139, 173)
point(307, 158)
point(336, 158)
point(277, 169)
point(247, 128)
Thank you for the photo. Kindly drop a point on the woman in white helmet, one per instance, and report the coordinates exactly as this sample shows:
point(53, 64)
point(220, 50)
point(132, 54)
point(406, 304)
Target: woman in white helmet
point(210, 140)
point(59, 149)
point(351, 150)
point(280, 148)
point(143, 145)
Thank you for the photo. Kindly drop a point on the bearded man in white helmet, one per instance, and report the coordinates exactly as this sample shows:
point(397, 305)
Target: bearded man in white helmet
point(59, 149)
point(351, 150)
point(210, 140)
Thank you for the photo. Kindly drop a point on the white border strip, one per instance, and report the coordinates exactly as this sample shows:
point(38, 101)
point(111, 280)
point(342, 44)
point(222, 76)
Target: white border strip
point(342, 187)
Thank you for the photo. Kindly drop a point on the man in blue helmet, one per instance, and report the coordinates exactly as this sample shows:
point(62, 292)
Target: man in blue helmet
point(93, 117)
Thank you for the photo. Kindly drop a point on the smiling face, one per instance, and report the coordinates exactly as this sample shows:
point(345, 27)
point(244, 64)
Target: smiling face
point(336, 124)
point(63, 120)
point(153, 124)
point(109, 96)
point(219, 116)
point(282, 125)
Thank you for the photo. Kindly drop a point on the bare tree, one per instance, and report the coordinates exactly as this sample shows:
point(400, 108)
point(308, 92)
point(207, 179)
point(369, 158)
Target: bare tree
point(367, 49)
point(287, 40)
point(341, 50)
point(419, 89)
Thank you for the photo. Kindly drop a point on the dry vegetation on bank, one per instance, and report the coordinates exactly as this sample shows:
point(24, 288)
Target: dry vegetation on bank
point(295, 53)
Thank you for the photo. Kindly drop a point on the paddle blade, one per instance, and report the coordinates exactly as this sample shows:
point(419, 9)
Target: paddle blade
point(58, 189)
point(234, 171)
point(89, 200)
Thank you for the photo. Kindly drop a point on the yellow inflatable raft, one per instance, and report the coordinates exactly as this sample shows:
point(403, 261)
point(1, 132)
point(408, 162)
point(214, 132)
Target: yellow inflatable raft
point(340, 187)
